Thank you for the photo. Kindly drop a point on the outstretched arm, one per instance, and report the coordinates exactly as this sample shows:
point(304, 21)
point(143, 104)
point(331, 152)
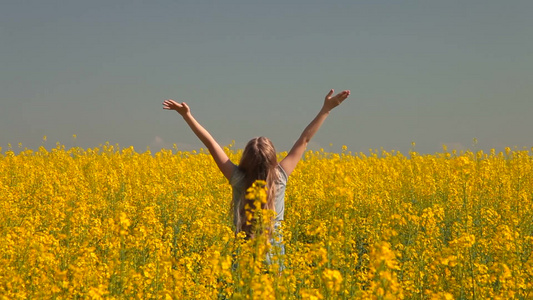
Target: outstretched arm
point(291, 160)
point(223, 162)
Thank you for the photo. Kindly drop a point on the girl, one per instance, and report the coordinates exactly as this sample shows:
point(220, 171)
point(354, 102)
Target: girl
point(258, 162)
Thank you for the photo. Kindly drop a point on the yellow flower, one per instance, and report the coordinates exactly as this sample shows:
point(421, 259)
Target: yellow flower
point(108, 223)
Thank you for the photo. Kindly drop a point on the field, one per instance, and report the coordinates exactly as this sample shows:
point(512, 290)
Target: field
point(109, 222)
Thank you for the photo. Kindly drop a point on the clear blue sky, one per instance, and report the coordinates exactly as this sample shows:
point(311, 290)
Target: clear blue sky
point(432, 72)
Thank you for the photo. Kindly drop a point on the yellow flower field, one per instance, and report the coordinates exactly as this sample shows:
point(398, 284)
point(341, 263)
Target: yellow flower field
point(111, 223)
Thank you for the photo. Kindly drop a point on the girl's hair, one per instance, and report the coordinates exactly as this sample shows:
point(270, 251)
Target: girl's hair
point(258, 162)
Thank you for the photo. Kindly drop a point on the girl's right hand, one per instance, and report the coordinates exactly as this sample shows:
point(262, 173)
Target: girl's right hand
point(332, 102)
point(181, 108)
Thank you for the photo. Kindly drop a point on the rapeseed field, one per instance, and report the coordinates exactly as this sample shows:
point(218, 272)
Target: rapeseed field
point(111, 223)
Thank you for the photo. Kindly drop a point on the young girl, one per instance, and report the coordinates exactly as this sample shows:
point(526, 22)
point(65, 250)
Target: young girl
point(258, 162)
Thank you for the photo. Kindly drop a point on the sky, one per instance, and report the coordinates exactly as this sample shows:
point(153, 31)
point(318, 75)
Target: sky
point(455, 73)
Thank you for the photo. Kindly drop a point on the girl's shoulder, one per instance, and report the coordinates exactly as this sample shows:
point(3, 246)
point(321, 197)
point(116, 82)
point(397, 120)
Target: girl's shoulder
point(282, 175)
point(237, 176)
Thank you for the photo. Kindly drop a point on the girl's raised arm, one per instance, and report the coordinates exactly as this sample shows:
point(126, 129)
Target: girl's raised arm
point(223, 162)
point(291, 160)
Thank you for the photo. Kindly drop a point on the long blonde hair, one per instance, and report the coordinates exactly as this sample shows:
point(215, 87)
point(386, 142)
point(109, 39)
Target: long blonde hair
point(258, 162)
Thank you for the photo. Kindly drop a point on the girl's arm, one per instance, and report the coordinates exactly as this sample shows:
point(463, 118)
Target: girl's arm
point(224, 164)
point(291, 160)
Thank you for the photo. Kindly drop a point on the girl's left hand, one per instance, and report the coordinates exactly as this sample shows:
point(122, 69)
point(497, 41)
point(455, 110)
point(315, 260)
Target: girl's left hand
point(181, 108)
point(333, 101)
